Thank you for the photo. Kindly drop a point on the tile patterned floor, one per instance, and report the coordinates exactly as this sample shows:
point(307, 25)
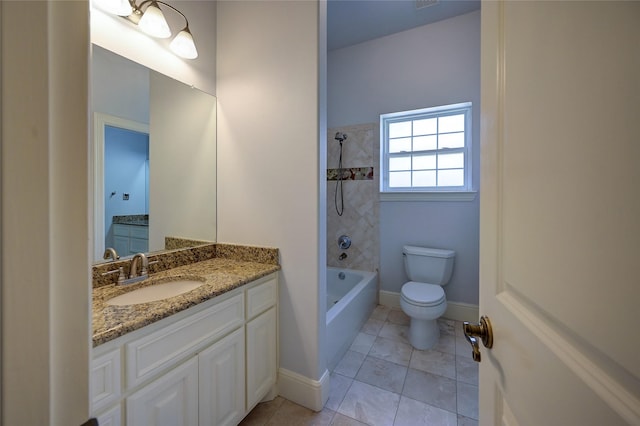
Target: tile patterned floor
point(383, 381)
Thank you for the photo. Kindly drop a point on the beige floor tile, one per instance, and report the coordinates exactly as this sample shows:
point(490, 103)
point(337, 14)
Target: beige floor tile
point(370, 404)
point(372, 326)
point(447, 326)
point(416, 413)
point(468, 400)
point(380, 313)
point(446, 343)
point(434, 362)
point(383, 374)
point(395, 332)
point(262, 412)
point(396, 316)
point(466, 370)
point(291, 414)
point(391, 350)
point(466, 421)
point(362, 343)
point(338, 387)
point(340, 420)
point(350, 364)
point(431, 389)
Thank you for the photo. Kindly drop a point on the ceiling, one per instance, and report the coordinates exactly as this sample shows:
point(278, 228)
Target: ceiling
point(355, 21)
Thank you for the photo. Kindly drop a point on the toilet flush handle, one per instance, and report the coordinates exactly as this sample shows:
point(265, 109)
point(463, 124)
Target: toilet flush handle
point(481, 330)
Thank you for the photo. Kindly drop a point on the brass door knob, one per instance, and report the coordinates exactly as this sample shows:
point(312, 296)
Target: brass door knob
point(481, 330)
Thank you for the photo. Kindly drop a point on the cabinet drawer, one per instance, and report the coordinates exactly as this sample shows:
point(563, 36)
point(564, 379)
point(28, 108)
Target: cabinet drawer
point(139, 232)
point(167, 346)
point(105, 380)
point(262, 297)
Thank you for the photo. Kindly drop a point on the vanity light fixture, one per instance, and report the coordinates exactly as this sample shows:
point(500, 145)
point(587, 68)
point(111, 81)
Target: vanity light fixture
point(151, 21)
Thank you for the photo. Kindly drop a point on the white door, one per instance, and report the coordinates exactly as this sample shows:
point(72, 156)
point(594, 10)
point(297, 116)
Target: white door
point(560, 213)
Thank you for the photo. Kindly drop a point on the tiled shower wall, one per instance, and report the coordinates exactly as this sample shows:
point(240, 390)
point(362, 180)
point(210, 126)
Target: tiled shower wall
point(360, 219)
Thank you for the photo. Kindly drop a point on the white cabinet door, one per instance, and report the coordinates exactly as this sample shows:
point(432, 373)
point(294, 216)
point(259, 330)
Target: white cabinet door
point(121, 244)
point(221, 381)
point(261, 356)
point(171, 400)
point(105, 380)
point(111, 417)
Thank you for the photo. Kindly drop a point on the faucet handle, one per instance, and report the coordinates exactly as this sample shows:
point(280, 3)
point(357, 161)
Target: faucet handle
point(120, 272)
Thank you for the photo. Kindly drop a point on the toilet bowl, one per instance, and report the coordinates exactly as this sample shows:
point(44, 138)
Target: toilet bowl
point(423, 299)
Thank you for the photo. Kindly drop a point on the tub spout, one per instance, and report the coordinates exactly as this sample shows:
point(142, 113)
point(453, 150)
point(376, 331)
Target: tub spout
point(343, 256)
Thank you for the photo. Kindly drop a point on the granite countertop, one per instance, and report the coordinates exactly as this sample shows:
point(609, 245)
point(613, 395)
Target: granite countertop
point(220, 275)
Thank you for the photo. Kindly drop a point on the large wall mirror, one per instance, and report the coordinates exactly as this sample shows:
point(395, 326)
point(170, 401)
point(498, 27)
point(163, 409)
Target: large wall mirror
point(154, 158)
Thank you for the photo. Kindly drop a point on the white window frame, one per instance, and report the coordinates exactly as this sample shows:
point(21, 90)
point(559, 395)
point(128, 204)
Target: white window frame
point(448, 193)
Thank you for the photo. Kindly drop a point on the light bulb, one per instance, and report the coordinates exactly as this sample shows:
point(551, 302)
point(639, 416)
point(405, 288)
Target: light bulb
point(154, 23)
point(183, 45)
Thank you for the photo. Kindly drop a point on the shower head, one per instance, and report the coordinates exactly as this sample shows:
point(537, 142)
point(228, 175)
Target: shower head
point(340, 137)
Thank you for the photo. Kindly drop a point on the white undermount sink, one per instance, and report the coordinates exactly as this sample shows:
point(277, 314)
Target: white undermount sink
point(155, 292)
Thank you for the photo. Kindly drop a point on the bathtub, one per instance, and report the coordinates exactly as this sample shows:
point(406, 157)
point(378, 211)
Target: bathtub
point(351, 297)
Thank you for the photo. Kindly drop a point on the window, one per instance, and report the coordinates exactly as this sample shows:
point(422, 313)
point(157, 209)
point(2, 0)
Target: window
point(426, 150)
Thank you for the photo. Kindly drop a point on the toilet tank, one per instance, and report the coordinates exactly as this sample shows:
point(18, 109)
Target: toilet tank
point(428, 265)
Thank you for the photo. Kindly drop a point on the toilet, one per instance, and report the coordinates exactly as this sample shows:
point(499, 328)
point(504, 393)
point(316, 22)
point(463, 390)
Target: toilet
point(423, 298)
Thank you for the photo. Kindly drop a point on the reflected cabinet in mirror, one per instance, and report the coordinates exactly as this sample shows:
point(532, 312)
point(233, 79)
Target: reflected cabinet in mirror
point(154, 158)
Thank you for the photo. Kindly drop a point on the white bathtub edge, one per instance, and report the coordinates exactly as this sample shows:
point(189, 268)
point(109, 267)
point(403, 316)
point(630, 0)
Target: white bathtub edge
point(457, 311)
point(302, 390)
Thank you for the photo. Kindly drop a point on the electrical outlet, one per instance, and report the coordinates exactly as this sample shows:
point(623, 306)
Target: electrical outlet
point(125, 197)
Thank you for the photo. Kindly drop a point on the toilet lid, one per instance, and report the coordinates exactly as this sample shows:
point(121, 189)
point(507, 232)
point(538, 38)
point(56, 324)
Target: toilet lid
point(422, 294)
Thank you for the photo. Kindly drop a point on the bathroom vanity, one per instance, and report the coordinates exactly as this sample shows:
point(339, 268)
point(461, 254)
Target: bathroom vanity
point(205, 357)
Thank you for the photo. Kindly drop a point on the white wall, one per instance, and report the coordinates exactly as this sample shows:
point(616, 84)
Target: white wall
point(436, 64)
point(268, 151)
point(119, 87)
point(45, 230)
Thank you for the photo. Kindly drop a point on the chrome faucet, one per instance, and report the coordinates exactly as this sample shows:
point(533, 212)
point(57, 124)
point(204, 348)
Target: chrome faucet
point(110, 253)
point(133, 267)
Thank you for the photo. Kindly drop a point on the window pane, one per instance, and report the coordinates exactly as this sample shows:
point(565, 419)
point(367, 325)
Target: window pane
point(451, 140)
point(424, 178)
point(451, 161)
point(428, 126)
point(451, 123)
point(399, 163)
point(400, 145)
point(399, 179)
point(424, 162)
point(400, 129)
point(424, 143)
point(451, 177)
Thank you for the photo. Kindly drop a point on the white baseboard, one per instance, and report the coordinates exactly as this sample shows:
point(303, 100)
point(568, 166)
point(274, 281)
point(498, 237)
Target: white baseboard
point(302, 390)
point(455, 310)
point(390, 299)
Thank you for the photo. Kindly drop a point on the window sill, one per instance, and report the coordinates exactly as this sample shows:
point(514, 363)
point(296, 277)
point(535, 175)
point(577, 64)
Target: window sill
point(428, 196)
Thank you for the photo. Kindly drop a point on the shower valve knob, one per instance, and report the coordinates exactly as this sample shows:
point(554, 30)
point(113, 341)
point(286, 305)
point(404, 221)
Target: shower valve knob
point(344, 242)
